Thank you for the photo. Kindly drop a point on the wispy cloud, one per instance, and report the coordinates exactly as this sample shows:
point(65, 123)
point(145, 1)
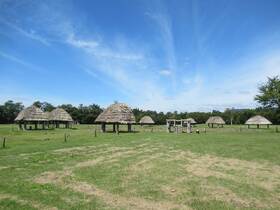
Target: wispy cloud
point(31, 34)
point(17, 60)
point(164, 23)
point(84, 44)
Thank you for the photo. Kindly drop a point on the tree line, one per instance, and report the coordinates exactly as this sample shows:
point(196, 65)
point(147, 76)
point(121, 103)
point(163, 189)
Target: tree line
point(268, 98)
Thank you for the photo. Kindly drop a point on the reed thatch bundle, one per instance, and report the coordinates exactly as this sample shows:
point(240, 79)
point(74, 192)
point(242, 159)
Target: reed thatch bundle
point(215, 120)
point(258, 120)
point(60, 115)
point(30, 114)
point(146, 120)
point(117, 113)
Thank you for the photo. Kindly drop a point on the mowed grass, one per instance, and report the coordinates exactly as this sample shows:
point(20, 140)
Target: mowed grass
point(226, 168)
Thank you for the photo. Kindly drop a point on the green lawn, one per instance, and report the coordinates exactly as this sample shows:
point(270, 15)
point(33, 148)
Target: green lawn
point(224, 168)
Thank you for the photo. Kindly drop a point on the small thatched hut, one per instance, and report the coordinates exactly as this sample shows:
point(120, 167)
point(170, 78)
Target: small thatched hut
point(258, 120)
point(115, 114)
point(60, 116)
point(191, 120)
point(215, 120)
point(32, 115)
point(146, 120)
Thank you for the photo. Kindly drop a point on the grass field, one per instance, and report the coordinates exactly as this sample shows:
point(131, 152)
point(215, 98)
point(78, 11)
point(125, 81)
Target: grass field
point(224, 168)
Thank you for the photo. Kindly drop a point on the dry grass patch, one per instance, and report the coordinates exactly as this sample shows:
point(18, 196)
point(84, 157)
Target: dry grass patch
point(34, 204)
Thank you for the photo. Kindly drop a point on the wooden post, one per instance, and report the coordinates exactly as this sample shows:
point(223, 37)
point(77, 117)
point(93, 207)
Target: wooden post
point(24, 125)
point(267, 125)
point(258, 126)
point(20, 126)
point(36, 125)
point(129, 127)
point(95, 134)
point(65, 137)
point(114, 127)
point(189, 129)
point(117, 128)
point(4, 142)
point(103, 127)
point(152, 130)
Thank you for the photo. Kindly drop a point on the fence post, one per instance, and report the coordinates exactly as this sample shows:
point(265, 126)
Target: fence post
point(65, 137)
point(4, 142)
point(95, 134)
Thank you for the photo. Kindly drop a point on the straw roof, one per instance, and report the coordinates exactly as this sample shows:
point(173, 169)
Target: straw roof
point(215, 120)
point(60, 114)
point(146, 120)
point(117, 113)
point(258, 120)
point(191, 120)
point(31, 113)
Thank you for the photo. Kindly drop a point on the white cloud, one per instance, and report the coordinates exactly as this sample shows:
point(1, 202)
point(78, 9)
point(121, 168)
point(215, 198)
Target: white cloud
point(165, 72)
point(85, 44)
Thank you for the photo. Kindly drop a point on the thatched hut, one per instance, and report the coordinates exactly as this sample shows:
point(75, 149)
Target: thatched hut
point(258, 120)
point(115, 114)
point(191, 120)
point(146, 120)
point(32, 115)
point(215, 120)
point(60, 116)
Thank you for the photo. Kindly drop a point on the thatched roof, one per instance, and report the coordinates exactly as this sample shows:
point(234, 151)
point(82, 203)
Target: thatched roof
point(215, 120)
point(32, 113)
point(258, 120)
point(191, 120)
point(117, 113)
point(146, 120)
point(60, 114)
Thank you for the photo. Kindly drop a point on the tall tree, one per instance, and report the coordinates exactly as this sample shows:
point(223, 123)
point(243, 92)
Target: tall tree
point(269, 93)
point(45, 106)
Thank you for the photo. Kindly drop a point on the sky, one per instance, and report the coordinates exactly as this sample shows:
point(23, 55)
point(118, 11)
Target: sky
point(158, 55)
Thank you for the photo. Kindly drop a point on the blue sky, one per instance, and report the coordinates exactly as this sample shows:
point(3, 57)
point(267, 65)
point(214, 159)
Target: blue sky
point(159, 55)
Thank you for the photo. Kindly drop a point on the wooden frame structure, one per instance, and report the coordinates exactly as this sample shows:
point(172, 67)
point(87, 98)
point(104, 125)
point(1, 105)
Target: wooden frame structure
point(178, 125)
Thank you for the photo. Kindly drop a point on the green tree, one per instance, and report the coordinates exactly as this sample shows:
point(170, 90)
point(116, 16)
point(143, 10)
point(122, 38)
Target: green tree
point(9, 111)
point(45, 106)
point(269, 93)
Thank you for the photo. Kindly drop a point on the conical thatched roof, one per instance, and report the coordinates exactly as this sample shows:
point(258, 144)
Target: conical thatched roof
point(258, 120)
point(32, 113)
point(215, 120)
point(191, 120)
point(60, 114)
point(146, 120)
point(117, 113)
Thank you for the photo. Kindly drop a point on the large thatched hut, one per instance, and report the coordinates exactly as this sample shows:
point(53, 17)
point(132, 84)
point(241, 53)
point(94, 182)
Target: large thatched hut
point(146, 120)
point(115, 114)
point(60, 116)
point(215, 120)
point(258, 120)
point(33, 116)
